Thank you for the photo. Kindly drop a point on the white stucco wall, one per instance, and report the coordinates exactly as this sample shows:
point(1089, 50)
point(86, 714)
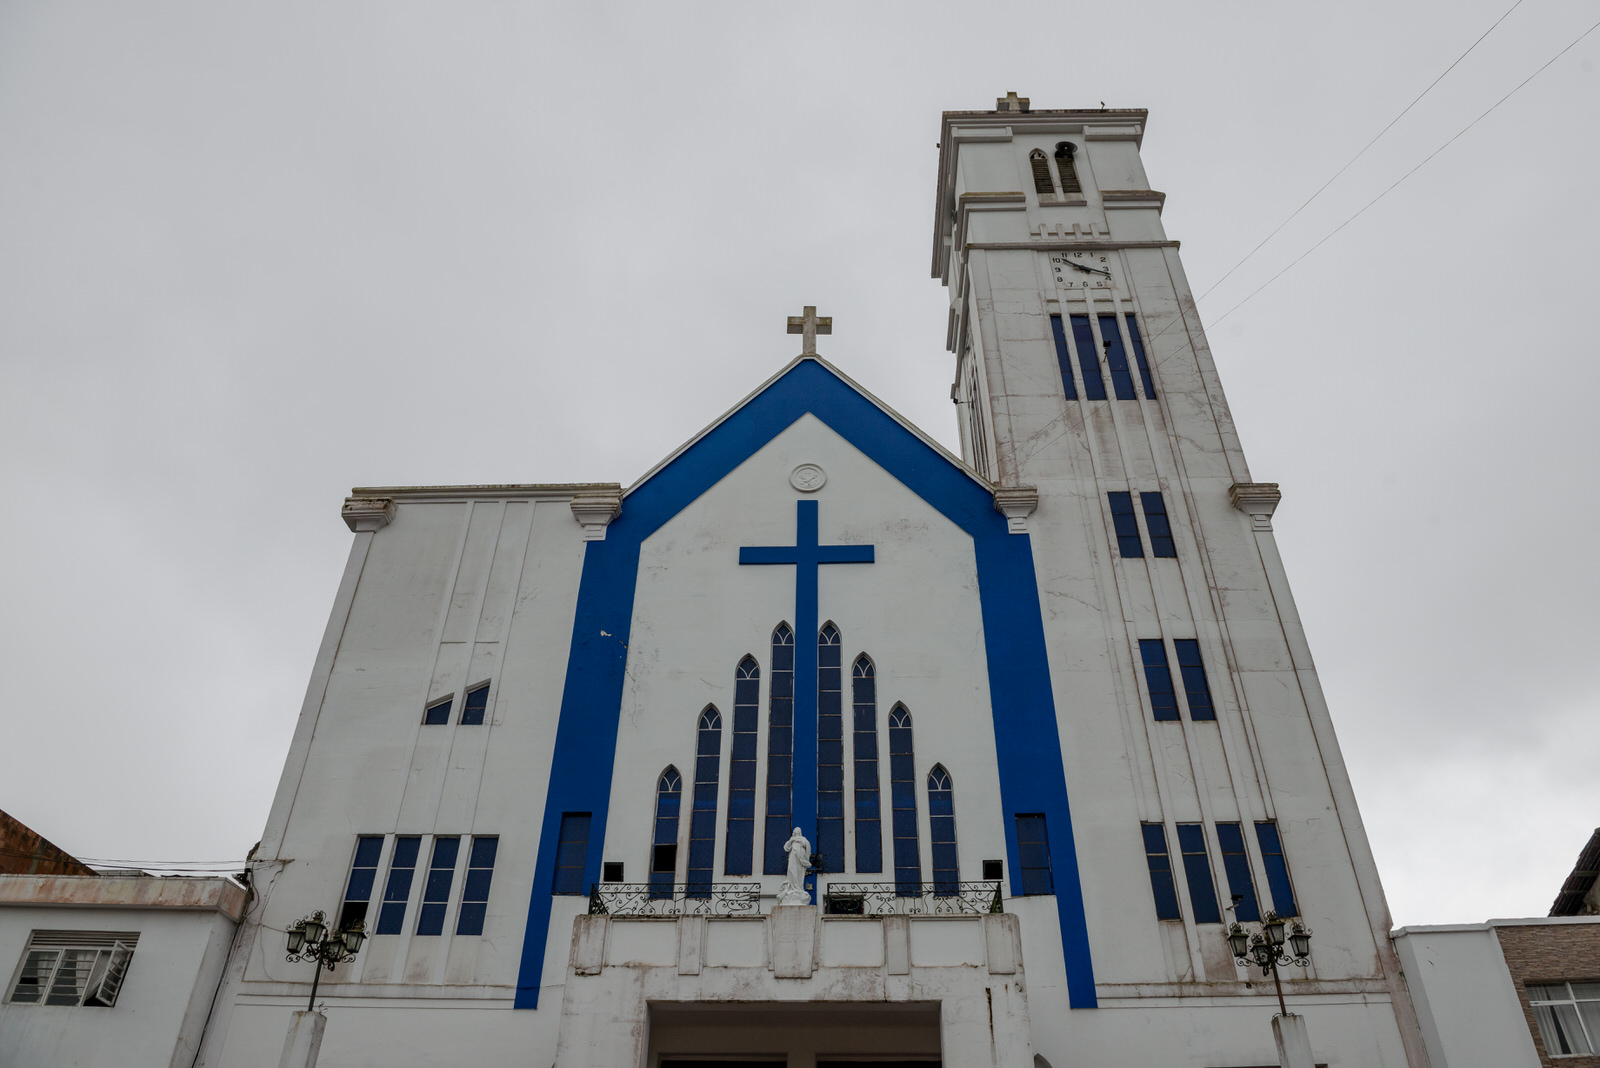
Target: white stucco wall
point(1466, 1002)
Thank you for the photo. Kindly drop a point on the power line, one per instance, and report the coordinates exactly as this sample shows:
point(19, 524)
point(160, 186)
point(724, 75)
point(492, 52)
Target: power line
point(1363, 151)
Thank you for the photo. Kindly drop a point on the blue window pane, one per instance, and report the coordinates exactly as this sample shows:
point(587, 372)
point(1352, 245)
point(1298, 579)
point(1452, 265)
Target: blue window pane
point(477, 884)
point(780, 752)
point(1138, 355)
point(1063, 357)
point(572, 853)
point(1116, 358)
point(664, 857)
point(1162, 888)
point(437, 715)
point(739, 843)
point(903, 798)
point(361, 880)
point(397, 891)
point(1125, 525)
point(1236, 864)
point(1197, 872)
point(703, 823)
point(864, 739)
point(470, 921)
point(1155, 518)
point(1094, 387)
point(368, 847)
point(1158, 679)
point(830, 751)
point(1195, 687)
point(475, 891)
point(363, 876)
point(1283, 902)
point(1034, 855)
point(477, 702)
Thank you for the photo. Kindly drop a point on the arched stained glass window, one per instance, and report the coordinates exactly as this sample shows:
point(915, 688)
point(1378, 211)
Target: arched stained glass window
point(903, 795)
point(780, 751)
point(738, 851)
point(664, 850)
point(703, 815)
point(830, 749)
point(942, 832)
point(869, 815)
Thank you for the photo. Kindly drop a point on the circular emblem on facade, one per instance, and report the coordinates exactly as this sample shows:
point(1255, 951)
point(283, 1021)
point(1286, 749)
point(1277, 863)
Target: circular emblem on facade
point(808, 478)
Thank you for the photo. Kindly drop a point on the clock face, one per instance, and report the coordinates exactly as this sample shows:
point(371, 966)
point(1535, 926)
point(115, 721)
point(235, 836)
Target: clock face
point(1081, 270)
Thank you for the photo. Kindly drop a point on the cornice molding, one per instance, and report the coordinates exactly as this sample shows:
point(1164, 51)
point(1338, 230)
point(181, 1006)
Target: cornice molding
point(1016, 503)
point(595, 511)
point(1258, 500)
point(365, 515)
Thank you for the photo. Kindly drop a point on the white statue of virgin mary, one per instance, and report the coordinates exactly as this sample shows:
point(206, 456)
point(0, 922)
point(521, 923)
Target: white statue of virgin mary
point(793, 891)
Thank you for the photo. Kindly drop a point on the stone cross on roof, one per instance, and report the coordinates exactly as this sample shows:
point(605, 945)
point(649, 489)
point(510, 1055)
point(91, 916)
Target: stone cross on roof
point(810, 325)
point(1011, 102)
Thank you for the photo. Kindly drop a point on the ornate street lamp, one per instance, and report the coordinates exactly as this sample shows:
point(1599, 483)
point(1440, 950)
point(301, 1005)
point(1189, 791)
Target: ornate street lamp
point(310, 939)
point(1266, 948)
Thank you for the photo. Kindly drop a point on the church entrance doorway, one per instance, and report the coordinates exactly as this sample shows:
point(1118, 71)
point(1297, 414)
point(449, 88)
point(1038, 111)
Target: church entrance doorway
point(808, 1035)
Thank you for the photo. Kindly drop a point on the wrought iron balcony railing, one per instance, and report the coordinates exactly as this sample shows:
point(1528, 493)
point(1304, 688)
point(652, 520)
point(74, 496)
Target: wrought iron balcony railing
point(911, 899)
point(680, 899)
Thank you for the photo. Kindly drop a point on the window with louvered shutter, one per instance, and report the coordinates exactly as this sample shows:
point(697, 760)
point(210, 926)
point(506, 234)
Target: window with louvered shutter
point(1041, 172)
point(73, 968)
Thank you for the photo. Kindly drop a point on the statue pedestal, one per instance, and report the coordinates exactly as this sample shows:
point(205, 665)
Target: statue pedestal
point(1294, 1044)
point(794, 940)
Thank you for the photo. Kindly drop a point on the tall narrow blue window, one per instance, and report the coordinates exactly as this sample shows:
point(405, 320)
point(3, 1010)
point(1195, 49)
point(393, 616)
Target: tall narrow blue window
point(869, 813)
point(830, 749)
point(572, 853)
point(436, 891)
point(780, 751)
point(1117, 358)
point(1033, 854)
point(1063, 357)
point(1277, 869)
point(903, 795)
point(664, 845)
point(1159, 861)
point(475, 894)
point(397, 891)
point(1094, 387)
point(1138, 356)
point(476, 704)
point(1158, 678)
point(1155, 518)
point(363, 876)
point(1126, 526)
point(1197, 872)
point(737, 853)
point(1195, 688)
point(703, 817)
point(1236, 863)
point(942, 833)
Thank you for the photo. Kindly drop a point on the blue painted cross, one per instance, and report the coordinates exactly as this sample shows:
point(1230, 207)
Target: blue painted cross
point(805, 554)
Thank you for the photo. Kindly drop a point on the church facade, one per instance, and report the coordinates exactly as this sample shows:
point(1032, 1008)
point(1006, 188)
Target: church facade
point(820, 745)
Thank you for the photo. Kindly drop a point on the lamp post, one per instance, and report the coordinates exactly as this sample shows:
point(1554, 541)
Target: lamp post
point(310, 939)
point(1270, 947)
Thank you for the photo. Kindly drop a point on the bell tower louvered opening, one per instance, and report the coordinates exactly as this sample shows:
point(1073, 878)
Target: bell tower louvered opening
point(1041, 173)
point(1067, 168)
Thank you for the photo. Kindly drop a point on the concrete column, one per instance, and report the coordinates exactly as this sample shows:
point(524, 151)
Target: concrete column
point(1294, 1044)
point(304, 1041)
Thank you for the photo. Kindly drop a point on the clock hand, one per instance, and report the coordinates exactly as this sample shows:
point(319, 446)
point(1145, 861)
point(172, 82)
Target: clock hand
point(1089, 270)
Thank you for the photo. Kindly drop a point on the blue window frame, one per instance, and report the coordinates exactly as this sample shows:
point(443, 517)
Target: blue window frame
point(475, 892)
point(1063, 357)
point(942, 833)
point(437, 714)
point(1138, 355)
point(1197, 872)
point(1195, 688)
point(363, 877)
point(1125, 525)
point(830, 750)
point(1158, 678)
point(780, 751)
point(436, 891)
point(869, 812)
point(1033, 852)
point(397, 890)
point(1094, 387)
point(1155, 519)
point(1236, 863)
point(1117, 359)
point(1283, 902)
point(572, 853)
point(1156, 858)
point(473, 708)
point(703, 816)
point(903, 797)
point(738, 852)
point(664, 845)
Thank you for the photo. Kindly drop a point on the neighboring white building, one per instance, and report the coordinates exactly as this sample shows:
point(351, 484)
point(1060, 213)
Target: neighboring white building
point(111, 970)
point(1042, 710)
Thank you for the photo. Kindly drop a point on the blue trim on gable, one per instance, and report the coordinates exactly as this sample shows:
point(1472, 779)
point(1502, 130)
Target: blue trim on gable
point(1027, 741)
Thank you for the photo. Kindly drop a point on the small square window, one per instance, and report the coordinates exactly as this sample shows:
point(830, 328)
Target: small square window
point(611, 871)
point(993, 870)
point(437, 714)
point(476, 704)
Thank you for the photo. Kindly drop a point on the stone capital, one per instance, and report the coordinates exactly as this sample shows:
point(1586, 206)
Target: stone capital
point(367, 514)
point(1258, 500)
point(595, 511)
point(1016, 503)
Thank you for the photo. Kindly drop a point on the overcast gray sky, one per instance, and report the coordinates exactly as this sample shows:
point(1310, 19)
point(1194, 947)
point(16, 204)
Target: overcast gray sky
point(252, 255)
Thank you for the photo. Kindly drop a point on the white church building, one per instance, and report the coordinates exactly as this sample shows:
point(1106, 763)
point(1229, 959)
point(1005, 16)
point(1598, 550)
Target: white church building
point(1044, 714)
